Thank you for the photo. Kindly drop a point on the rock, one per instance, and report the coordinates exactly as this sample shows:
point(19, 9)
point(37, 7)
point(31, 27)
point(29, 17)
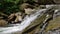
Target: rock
point(53, 24)
point(25, 0)
point(1, 17)
point(57, 1)
point(15, 17)
point(42, 2)
point(25, 5)
point(2, 14)
point(42, 6)
point(35, 0)
point(34, 27)
point(11, 17)
point(29, 11)
point(18, 17)
point(56, 14)
point(3, 23)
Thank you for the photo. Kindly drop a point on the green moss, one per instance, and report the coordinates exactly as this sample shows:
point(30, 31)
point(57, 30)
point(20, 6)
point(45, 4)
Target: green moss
point(53, 24)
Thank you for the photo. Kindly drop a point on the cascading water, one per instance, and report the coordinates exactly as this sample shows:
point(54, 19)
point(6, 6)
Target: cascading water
point(20, 27)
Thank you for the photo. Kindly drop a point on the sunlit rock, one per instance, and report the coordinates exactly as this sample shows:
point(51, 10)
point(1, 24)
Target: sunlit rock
point(15, 17)
point(29, 11)
point(24, 5)
point(18, 17)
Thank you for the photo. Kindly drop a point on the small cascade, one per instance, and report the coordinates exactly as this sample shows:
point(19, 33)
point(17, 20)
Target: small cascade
point(25, 23)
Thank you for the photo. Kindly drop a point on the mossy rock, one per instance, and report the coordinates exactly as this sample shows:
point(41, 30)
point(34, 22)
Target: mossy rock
point(53, 24)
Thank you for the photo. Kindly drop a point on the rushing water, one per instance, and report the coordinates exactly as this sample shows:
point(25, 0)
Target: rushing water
point(20, 27)
point(25, 23)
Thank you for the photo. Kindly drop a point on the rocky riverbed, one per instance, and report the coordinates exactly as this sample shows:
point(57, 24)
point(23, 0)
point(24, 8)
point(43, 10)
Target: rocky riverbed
point(40, 21)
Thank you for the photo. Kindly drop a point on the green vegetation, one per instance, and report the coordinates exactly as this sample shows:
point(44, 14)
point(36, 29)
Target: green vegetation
point(9, 6)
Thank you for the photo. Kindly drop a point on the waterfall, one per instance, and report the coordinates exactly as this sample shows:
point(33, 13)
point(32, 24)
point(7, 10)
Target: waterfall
point(25, 23)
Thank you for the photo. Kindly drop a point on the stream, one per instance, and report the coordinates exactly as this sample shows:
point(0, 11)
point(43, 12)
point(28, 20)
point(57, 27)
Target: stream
point(26, 22)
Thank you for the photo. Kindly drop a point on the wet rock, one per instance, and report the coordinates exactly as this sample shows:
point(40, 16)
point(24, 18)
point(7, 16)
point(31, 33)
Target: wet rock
point(34, 27)
point(3, 23)
point(56, 13)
